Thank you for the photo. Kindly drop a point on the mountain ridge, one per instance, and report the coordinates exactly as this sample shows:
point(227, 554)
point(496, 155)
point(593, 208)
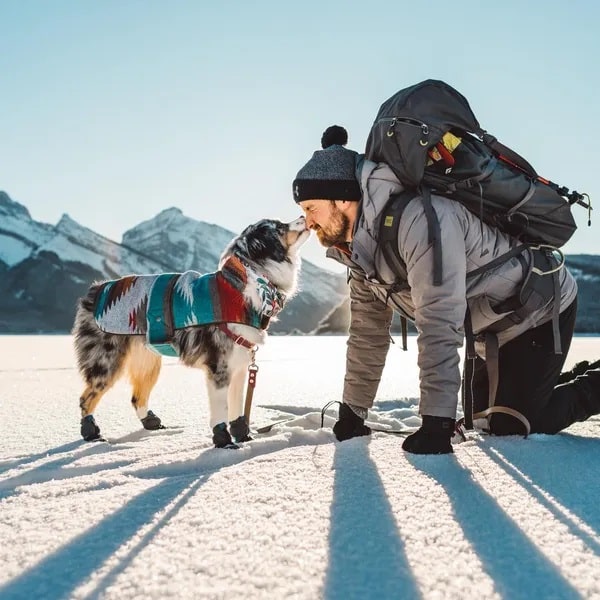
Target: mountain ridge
point(45, 268)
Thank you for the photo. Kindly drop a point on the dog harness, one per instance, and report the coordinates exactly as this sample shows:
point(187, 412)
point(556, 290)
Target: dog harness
point(158, 305)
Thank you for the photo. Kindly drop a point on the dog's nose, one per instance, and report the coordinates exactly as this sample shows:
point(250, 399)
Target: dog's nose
point(298, 224)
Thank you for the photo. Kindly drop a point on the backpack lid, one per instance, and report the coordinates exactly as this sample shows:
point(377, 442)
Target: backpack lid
point(412, 121)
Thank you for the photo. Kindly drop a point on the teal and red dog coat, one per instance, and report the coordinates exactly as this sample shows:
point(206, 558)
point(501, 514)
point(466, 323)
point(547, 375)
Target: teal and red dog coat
point(158, 305)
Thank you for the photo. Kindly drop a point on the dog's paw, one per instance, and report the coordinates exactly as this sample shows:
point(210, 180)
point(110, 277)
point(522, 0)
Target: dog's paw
point(240, 430)
point(89, 430)
point(152, 422)
point(222, 439)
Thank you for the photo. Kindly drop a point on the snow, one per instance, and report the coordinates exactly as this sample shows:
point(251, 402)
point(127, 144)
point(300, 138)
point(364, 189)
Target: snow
point(180, 230)
point(13, 250)
point(293, 514)
point(25, 235)
point(77, 243)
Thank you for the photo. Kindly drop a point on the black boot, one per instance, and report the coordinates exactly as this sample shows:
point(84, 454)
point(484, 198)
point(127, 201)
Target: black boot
point(349, 424)
point(239, 430)
point(579, 369)
point(89, 430)
point(587, 390)
point(433, 437)
point(221, 437)
point(152, 422)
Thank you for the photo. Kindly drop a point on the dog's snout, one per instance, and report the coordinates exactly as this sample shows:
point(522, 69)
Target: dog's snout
point(298, 225)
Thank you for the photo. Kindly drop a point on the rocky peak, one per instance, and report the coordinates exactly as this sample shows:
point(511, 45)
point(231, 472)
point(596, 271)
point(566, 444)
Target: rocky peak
point(11, 208)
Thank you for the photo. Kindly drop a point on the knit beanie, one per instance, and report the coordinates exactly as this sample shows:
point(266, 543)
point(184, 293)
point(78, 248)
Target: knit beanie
point(331, 173)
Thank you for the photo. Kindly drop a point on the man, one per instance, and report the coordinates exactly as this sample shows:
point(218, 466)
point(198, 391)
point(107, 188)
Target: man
point(342, 195)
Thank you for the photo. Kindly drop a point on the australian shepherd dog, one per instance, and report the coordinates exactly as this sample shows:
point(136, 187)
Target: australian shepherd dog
point(213, 321)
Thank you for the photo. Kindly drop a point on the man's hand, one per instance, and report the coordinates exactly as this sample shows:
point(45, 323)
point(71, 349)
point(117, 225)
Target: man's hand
point(350, 424)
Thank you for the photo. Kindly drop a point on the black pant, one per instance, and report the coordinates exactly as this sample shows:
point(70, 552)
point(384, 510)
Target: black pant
point(528, 373)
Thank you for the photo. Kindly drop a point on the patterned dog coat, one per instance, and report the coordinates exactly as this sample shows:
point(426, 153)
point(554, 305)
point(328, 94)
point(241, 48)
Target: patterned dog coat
point(158, 305)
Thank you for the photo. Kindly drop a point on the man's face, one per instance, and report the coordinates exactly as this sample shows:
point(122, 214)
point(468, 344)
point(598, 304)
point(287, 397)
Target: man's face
point(331, 225)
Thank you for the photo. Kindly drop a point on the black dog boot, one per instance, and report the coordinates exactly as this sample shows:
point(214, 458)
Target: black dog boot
point(433, 437)
point(152, 422)
point(579, 369)
point(221, 437)
point(240, 430)
point(89, 430)
point(350, 424)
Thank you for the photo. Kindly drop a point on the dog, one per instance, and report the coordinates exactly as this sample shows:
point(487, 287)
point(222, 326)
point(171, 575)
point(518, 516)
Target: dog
point(214, 321)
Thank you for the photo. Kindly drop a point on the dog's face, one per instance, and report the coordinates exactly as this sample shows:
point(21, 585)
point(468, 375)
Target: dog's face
point(272, 248)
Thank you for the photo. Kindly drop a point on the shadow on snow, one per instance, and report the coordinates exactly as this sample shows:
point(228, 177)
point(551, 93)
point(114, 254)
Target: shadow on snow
point(517, 567)
point(366, 553)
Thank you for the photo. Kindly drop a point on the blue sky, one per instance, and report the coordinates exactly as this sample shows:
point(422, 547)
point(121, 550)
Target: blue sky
point(115, 110)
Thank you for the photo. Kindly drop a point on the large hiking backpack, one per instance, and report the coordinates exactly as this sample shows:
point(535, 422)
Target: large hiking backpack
point(428, 134)
point(430, 138)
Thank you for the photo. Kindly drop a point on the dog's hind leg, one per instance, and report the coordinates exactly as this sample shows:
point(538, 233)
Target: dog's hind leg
point(144, 368)
point(101, 358)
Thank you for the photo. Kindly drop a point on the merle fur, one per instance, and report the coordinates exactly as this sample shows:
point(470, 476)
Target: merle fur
point(102, 357)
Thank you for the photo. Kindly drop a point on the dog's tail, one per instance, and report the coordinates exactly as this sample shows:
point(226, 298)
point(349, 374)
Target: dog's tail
point(84, 316)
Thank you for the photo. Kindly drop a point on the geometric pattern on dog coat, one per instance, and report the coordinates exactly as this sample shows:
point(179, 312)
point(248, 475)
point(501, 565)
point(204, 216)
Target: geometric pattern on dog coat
point(157, 305)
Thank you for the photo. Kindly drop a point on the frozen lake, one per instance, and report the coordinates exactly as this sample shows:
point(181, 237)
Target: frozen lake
point(293, 514)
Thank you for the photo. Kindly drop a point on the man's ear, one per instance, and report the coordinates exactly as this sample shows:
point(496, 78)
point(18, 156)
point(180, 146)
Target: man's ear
point(345, 205)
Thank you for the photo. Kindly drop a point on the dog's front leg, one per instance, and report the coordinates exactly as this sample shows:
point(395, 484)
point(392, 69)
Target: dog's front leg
point(217, 402)
point(235, 401)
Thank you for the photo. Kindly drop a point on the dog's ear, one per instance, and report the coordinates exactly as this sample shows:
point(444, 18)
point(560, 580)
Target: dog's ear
point(264, 241)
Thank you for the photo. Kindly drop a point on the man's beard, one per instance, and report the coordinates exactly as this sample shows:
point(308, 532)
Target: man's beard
point(336, 231)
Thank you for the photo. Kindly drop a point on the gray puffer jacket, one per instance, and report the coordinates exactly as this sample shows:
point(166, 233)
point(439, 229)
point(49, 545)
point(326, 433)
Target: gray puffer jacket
point(437, 311)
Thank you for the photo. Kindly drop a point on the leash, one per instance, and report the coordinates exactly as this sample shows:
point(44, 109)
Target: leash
point(252, 367)
point(252, 371)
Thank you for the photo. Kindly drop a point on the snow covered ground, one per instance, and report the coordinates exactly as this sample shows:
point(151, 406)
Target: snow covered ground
point(291, 515)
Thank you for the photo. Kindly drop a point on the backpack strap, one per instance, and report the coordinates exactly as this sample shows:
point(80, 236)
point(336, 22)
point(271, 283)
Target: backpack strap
point(388, 232)
point(507, 154)
point(434, 234)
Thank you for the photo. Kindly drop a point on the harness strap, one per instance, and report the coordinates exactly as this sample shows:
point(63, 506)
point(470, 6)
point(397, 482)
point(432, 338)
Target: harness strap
point(159, 316)
point(484, 414)
point(492, 365)
point(516, 251)
point(468, 371)
point(556, 314)
point(238, 339)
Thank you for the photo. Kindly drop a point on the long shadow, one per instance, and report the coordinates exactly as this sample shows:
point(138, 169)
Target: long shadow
point(289, 409)
point(564, 476)
point(366, 553)
point(55, 469)
point(109, 578)
point(58, 575)
point(12, 463)
point(517, 567)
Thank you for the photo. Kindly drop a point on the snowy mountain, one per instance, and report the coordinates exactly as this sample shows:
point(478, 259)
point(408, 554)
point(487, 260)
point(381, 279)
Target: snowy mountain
point(45, 268)
point(171, 237)
point(19, 234)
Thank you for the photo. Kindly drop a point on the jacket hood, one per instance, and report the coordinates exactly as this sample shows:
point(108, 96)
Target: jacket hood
point(378, 183)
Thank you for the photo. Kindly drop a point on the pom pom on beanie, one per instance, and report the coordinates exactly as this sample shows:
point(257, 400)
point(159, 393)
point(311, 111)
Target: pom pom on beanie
point(334, 135)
